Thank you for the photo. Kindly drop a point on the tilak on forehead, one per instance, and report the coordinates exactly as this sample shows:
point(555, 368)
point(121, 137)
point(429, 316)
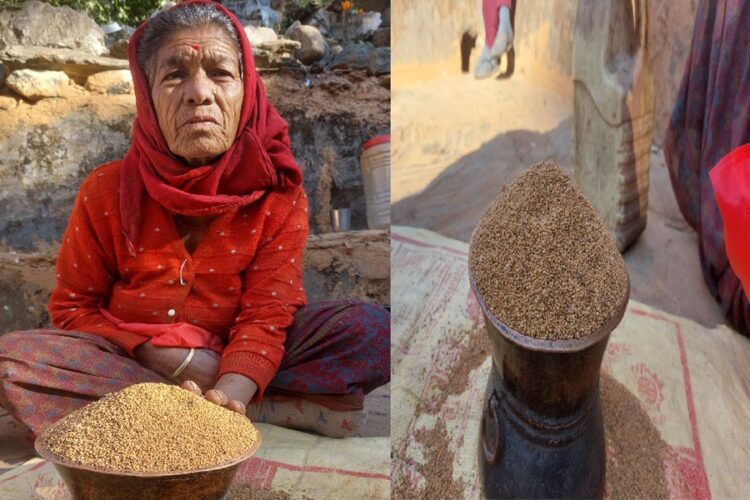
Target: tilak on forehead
point(196, 47)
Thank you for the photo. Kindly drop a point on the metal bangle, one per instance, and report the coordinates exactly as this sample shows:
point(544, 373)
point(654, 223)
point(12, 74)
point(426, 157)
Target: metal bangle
point(184, 364)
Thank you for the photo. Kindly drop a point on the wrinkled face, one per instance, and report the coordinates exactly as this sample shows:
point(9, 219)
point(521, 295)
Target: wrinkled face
point(197, 93)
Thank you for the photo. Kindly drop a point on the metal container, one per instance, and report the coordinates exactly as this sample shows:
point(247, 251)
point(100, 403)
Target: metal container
point(341, 219)
point(542, 433)
point(85, 482)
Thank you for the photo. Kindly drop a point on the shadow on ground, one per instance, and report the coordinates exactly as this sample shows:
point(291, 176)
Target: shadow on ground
point(453, 203)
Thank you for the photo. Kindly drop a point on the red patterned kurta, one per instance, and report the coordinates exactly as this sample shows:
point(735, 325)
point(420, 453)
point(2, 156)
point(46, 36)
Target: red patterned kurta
point(243, 282)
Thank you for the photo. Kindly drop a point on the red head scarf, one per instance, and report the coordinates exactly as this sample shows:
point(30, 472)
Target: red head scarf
point(258, 159)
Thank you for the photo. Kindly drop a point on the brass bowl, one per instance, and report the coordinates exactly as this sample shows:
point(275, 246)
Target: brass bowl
point(86, 482)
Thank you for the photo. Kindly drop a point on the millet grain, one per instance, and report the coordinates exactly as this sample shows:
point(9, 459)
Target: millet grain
point(150, 428)
point(543, 259)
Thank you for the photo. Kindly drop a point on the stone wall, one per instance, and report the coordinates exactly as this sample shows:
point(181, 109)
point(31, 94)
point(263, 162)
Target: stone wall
point(31, 26)
point(48, 147)
point(328, 124)
point(68, 107)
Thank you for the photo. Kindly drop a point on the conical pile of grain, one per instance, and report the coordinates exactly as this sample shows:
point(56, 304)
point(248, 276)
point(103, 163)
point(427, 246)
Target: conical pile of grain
point(543, 260)
point(150, 428)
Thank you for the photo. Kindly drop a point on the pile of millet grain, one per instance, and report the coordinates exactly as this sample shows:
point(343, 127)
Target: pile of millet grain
point(636, 454)
point(150, 428)
point(543, 259)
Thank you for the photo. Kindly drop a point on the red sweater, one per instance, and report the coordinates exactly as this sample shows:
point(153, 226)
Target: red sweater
point(243, 282)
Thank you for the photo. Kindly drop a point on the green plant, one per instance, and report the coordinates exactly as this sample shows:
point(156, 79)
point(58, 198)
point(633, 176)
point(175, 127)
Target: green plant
point(129, 12)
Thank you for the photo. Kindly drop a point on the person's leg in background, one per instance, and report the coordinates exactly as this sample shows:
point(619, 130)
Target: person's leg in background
point(498, 35)
point(706, 124)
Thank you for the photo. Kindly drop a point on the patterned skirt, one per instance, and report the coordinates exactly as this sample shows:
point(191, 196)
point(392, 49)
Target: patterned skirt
point(336, 352)
point(711, 118)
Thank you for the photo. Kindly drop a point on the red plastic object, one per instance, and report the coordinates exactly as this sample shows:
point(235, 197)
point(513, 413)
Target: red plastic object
point(378, 139)
point(731, 181)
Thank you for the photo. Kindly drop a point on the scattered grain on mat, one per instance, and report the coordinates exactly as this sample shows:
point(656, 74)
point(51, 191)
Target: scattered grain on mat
point(150, 428)
point(471, 348)
point(543, 260)
point(470, 357)
point(636, 454)
point(247, 492)
point(437, 469)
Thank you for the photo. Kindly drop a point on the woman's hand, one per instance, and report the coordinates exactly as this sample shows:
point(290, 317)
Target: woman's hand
point(232, 391)
point(202, 369)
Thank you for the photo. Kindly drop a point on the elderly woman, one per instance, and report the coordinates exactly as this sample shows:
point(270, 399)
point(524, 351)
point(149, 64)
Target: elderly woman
point(182, 263)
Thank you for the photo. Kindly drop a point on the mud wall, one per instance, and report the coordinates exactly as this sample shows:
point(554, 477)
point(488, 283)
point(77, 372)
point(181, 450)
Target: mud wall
point(427, 42)
point(428, 32)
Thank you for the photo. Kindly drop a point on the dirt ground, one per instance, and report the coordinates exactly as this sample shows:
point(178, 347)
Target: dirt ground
point(17, 448)
point(456, 141)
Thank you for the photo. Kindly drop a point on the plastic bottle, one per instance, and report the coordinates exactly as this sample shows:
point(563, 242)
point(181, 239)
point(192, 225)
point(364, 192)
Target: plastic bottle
point(376, 178)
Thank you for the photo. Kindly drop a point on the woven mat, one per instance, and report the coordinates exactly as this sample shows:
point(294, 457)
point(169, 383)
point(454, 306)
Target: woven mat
point(693, 382)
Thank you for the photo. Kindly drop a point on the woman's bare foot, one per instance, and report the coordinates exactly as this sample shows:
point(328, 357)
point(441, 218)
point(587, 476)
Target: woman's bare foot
point(304, 415)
